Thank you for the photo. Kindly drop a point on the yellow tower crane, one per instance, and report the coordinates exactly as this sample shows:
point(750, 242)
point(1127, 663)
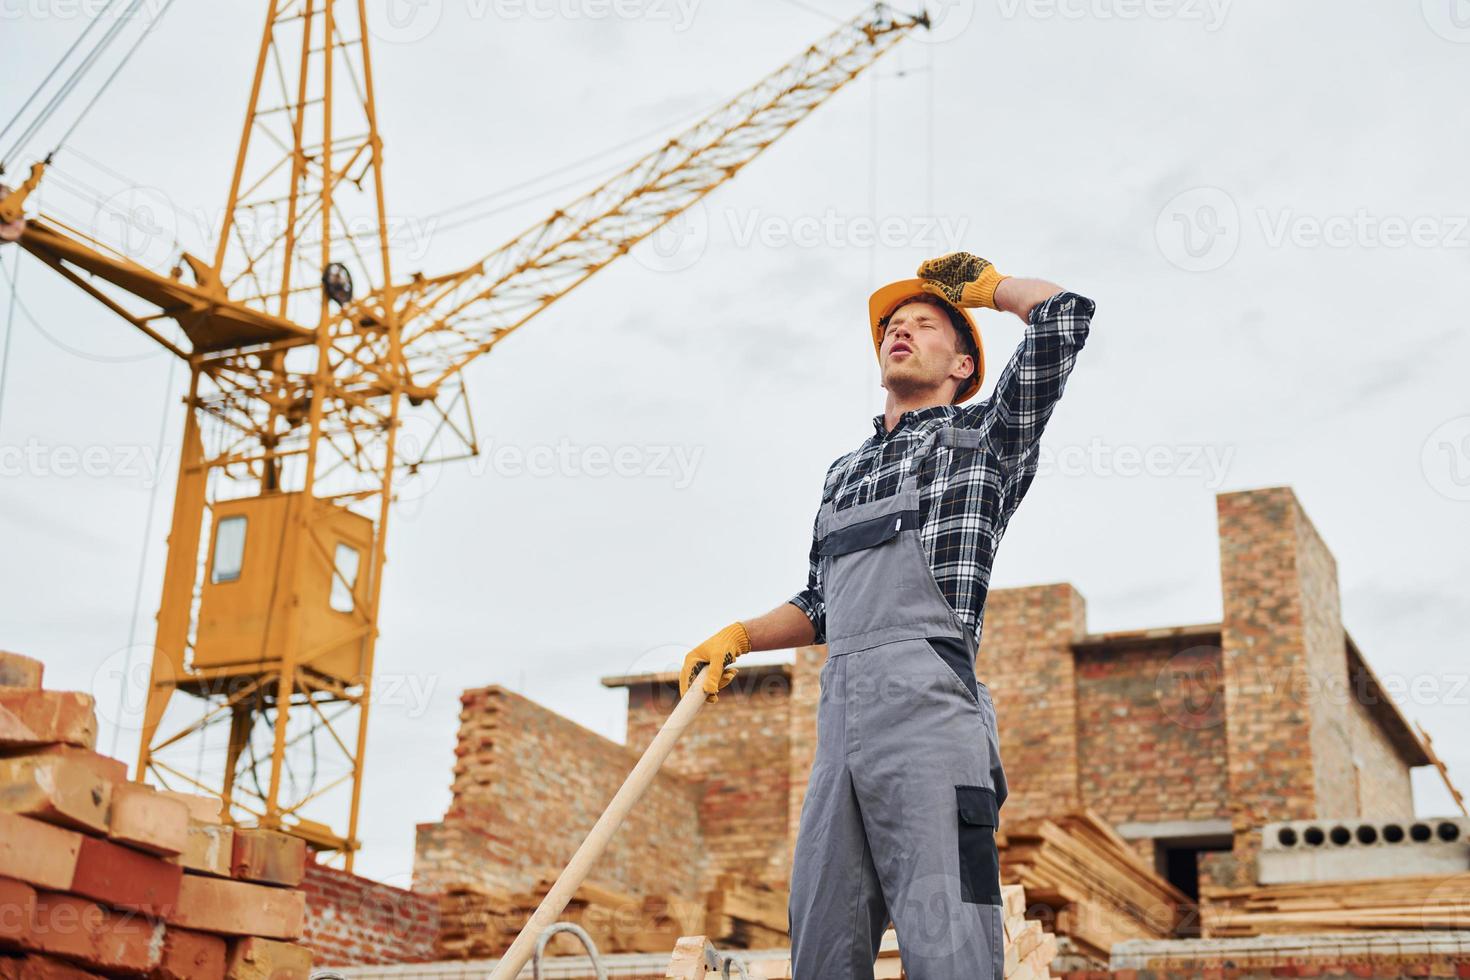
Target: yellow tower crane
point(302, 350)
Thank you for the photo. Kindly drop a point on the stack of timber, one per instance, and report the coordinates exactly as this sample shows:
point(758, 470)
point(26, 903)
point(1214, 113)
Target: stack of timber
point(103, 877)
point(742, 914)
point(1420, 902)
point(478, 923)
point(1028, 951)
point(1083, 881)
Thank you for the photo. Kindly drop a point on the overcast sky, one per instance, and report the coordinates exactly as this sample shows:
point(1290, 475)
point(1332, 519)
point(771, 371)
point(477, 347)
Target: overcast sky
point(1267, 201)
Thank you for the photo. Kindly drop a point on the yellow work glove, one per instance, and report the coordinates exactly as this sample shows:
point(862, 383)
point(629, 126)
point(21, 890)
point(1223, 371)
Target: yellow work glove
point(966, 280)
point(715, 655)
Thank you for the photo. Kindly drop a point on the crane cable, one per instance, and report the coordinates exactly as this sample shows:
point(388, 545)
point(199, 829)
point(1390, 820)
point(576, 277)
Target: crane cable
point(78, 73)
point(143, 556)
point(55, 68)
point(137, 42)
point(70, 85)
point(14, 279)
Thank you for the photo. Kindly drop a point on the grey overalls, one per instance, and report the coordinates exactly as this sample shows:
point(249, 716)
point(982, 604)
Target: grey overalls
point(900, 814)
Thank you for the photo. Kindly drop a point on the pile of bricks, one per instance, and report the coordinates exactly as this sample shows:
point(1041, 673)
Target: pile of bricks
point(103, 877)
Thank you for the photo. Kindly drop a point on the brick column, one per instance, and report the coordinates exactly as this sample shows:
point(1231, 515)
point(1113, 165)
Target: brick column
point(1285, 667)
point(1026, 659)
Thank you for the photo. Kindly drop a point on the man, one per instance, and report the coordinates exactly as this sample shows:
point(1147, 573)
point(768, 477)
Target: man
point(907, 784)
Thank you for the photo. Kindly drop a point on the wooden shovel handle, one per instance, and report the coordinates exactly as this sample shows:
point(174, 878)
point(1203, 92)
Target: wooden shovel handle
point(577, 869)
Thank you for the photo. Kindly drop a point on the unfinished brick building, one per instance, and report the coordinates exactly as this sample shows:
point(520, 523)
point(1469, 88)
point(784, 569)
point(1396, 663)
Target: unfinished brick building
point(1186, 739)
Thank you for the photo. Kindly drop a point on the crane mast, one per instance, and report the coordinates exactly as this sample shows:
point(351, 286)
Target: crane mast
point(305, 360)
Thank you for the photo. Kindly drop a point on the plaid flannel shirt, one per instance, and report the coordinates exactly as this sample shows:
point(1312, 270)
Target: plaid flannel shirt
point(966, 496)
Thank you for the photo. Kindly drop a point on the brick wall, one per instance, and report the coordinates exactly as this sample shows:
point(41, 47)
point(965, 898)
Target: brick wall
point(529, 784)
point(737, 756)
point(354, 920)
point(1026, 660)
point(1150, 721)
point(1282, 640)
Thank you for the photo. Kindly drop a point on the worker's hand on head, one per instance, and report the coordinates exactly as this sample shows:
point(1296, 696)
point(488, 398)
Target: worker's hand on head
point(715, 656)
point(965, 279)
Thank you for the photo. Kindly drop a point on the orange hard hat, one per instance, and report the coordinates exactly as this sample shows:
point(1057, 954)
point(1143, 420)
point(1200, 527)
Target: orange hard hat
point(885, 299)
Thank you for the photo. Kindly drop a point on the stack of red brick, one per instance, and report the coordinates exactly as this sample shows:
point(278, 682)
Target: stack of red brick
point(103, 877)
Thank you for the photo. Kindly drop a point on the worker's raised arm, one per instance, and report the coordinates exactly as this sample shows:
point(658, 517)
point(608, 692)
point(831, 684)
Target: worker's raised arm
point(1057, 324)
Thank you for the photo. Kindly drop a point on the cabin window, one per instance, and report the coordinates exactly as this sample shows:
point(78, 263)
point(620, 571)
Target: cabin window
point(344, 582)
point(229, 549)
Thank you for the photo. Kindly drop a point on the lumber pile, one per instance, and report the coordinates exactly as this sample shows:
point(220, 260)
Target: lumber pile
point(477, 923)
point(1083, 881)
point(1028, 951)
point(1413, 902)
point(103, 877)
point(743, 914)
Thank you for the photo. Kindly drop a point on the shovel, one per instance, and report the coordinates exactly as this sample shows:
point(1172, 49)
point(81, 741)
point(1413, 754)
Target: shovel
point(577, 869)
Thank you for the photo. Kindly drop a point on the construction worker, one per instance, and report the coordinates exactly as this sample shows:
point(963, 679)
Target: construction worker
point(906, 785)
